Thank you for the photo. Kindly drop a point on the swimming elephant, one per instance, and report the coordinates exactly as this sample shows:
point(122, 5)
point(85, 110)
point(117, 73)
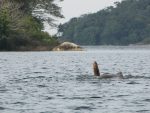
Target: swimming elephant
point(105, 75)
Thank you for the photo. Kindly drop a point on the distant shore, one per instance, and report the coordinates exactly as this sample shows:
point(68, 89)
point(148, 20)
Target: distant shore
point(84, 48)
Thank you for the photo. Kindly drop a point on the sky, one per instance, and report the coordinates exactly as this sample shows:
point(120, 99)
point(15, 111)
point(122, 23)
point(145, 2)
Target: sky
point(76, 8)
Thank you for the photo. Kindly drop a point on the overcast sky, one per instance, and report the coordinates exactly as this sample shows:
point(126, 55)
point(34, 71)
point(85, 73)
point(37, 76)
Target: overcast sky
point(76, 8)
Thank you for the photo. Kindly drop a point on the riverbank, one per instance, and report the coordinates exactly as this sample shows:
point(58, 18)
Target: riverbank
point(57, 47)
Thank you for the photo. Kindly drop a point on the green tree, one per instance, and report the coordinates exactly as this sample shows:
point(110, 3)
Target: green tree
point(126, 23)
point(21, 25)
point(41, 8)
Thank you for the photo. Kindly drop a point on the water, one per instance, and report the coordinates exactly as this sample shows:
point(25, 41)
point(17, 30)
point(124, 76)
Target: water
point(63, 82)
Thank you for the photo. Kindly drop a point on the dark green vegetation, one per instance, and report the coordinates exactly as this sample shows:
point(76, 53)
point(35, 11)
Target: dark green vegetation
point(126, 23)
point(21, 24)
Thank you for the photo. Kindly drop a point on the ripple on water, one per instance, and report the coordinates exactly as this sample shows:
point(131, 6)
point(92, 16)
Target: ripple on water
point(95, 97)
point(147, 100)
point(45, 68)
point(118, 96)
point(143, 111)
point(3, 89)
point(42, 86)
point(49, 98)
point(75, 98)
point(2, 108)
point(136, 77)
point(37, 72)
point(133, 82)
point(37, 82)
point(19, 103)
point(88, 108)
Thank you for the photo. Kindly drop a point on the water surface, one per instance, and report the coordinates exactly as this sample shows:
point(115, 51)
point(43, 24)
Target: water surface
point(63, 82)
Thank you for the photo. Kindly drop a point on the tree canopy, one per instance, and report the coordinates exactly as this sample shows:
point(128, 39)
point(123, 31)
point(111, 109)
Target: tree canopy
point(21, 23)
point(41, 7)
point(128, 22)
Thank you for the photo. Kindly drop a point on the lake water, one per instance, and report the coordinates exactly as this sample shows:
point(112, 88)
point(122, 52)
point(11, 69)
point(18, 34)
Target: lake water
point(63, 82)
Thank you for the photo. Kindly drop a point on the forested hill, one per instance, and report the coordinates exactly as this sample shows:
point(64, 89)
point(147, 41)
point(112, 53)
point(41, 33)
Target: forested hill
point(126, 23)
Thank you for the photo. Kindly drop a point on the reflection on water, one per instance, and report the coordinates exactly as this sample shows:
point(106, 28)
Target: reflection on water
point(62, 82)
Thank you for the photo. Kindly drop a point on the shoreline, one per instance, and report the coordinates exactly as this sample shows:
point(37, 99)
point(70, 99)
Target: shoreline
point(85, 47)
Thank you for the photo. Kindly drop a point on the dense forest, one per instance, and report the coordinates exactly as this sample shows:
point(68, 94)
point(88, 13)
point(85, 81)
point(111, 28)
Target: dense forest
point(21, 24)
point(128, 22)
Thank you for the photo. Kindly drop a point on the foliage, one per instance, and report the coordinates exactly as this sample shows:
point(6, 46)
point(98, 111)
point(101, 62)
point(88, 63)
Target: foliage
point(20, 28)
point(126, 23)
point(4, 22)
point(41, 8)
